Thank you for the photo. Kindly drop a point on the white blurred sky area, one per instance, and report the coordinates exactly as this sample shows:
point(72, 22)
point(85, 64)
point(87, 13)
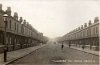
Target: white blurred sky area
point(55, 18)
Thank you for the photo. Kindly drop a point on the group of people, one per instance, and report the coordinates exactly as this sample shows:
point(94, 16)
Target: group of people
point(62, 46)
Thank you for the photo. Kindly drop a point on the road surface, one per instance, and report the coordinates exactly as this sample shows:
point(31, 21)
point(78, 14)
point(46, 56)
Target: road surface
point(52, 54)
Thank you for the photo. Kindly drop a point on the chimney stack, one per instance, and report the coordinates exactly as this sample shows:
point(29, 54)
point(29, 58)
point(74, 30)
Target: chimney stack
point(85, 25)
point(24, 22)
point(16, 15)
point(81, 26)
point(90, 22)
point(21, 19)
point(96, 19)
point(78, 28)
point(0, 6)
point(8, 11)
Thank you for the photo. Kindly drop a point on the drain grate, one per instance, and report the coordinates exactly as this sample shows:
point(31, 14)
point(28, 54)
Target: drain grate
point(59, 61)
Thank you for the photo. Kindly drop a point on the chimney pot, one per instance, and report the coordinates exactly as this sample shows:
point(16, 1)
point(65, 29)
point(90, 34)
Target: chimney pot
point(0, 6)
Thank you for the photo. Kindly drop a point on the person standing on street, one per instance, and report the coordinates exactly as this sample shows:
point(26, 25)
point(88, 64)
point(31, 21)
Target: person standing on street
point(69, 45)
point(83, 47)
point(62, 46)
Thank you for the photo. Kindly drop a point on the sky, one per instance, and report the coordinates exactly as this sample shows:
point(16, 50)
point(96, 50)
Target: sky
point(54, 18)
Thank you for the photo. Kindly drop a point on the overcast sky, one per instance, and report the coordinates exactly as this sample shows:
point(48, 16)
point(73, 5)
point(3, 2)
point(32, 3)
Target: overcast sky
point(55, 18)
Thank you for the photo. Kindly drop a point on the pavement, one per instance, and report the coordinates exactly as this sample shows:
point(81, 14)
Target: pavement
point(87, 50)
point(14, 55)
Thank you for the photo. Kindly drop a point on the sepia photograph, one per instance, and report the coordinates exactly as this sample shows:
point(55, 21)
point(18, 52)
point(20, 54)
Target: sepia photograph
point(49, 32)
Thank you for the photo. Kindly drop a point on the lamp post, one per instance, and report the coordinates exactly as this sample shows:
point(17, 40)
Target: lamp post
point(5, 44)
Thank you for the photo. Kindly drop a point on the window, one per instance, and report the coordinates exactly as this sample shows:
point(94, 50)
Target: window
point(15, 26)
point(86, 33)
point(10, 40)
point(0, 38)
point(89, 32)
point(83, 33)
point(96, 29)
point(6, 24)
point(10, 24)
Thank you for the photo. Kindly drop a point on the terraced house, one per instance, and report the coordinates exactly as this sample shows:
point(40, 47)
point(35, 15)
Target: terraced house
point(20, 34)
point(87, 35)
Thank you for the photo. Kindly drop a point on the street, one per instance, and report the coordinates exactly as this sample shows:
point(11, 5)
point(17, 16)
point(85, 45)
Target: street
point(52, 54)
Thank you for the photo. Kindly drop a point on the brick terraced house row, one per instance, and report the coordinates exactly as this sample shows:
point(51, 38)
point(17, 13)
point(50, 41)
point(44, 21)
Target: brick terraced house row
point(87, 35)
point(20, 34)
